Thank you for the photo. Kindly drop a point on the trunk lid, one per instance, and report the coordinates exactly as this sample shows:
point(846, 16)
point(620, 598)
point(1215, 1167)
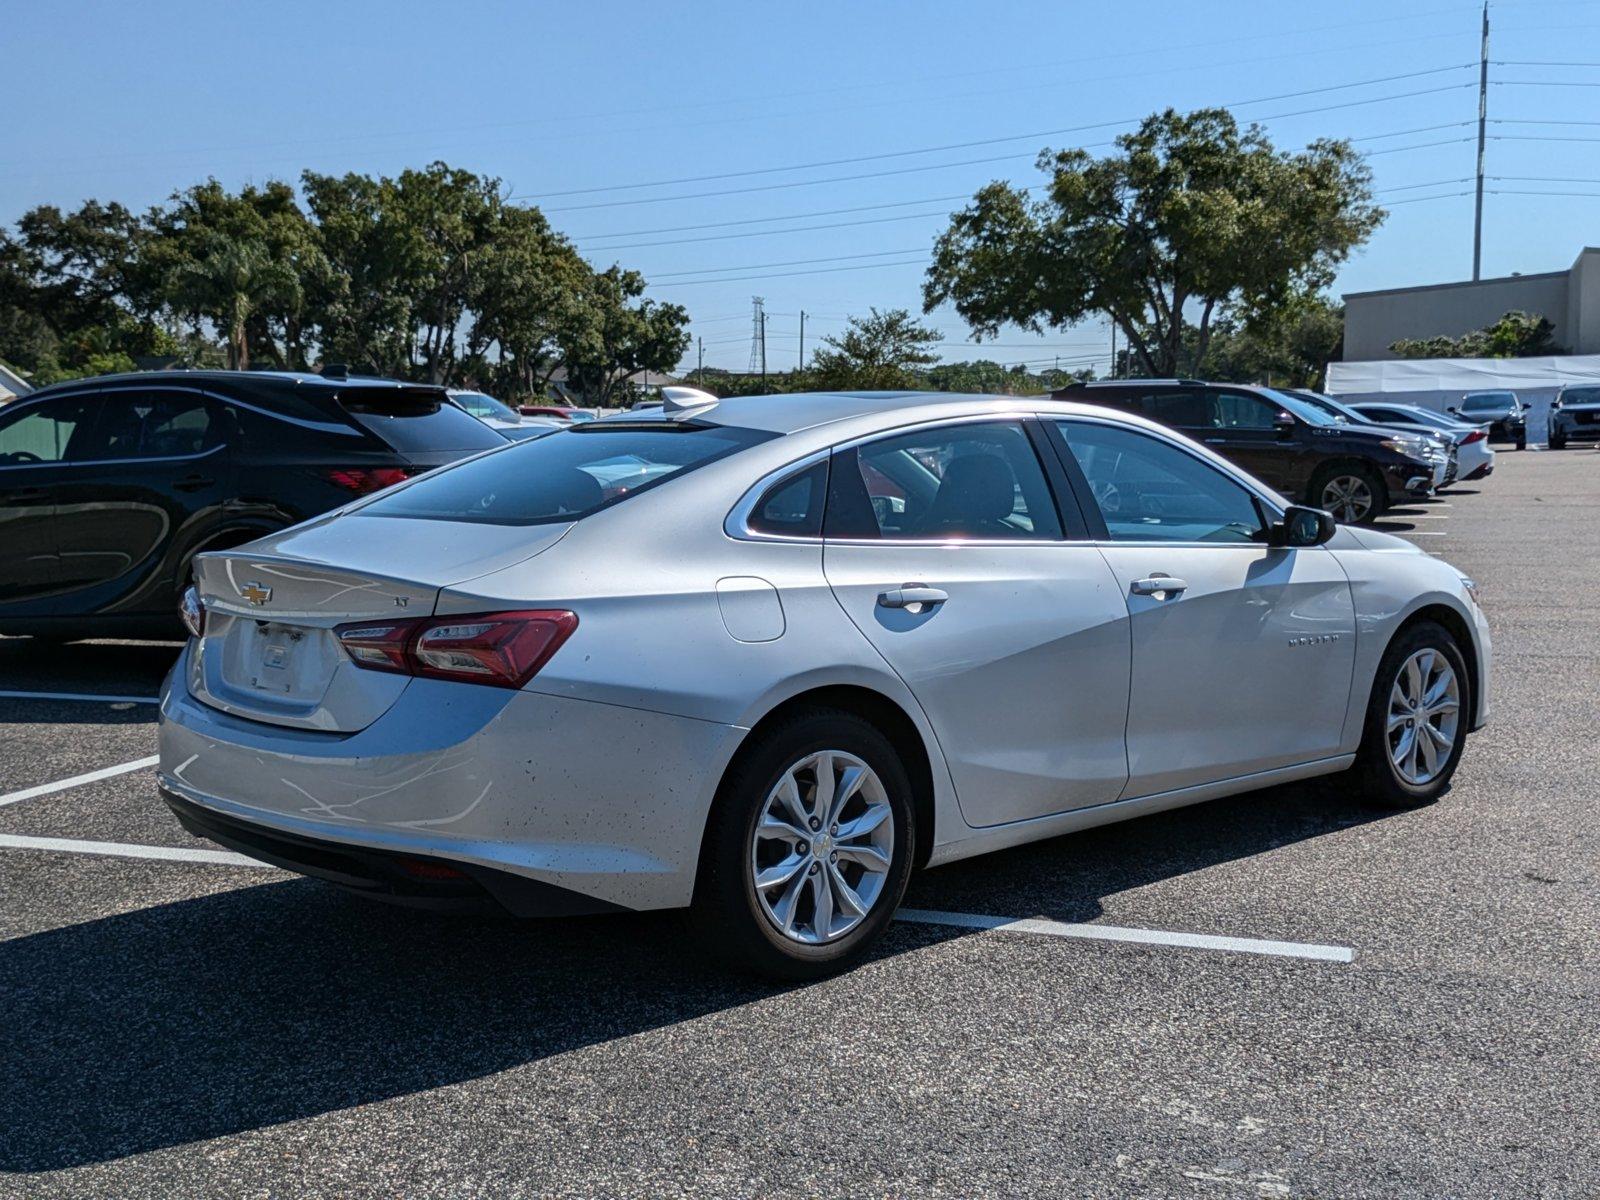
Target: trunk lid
point(269, 652)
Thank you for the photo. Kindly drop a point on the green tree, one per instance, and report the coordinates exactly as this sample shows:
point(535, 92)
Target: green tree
point(1515, 335)
point(625, 335)
point(1293, 348)
point(883, 351)
point(1191, 220)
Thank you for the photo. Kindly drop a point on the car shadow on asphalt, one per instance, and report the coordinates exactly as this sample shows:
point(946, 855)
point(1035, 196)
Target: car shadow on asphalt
point(125, 668)
point(249, 1008)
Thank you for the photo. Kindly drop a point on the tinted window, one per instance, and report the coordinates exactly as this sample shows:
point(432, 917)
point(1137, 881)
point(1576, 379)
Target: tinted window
point(951, 482)
point(1583, 395)
point(1240, 410)
point(44, 432)
point(136, 424)
point(563, 476)
point(1384, 416)
point(1150, 491)
point(417, 420)
point(793, 506)
point(1487, 401)
point(1181, 410)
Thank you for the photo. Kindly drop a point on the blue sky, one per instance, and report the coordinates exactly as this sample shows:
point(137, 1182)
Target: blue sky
point(570, 104)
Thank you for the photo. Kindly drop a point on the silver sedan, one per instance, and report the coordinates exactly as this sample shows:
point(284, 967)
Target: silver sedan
point(762, 658)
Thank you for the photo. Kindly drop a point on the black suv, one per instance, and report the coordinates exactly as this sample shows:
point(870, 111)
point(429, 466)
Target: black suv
point(1502, 412)
point(109, 486)
point(1354, 472)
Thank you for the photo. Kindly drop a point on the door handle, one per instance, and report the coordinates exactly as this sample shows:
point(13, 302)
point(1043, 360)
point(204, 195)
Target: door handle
point(193, 483)
point(1158, 585)
point(908, 594)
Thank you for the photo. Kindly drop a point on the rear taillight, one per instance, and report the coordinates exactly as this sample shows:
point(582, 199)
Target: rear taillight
point(193, 613)
point(501, 649)
point(365, 480)
point(1477, 435)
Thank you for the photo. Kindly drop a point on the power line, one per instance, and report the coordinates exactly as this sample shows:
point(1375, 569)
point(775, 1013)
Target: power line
point(914, 262)
point(793, 262)
point(1015, 137)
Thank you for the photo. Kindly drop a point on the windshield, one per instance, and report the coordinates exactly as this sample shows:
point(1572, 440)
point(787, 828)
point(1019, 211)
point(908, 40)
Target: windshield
point(563, 476)
point(1304, 409)
point(1486, 401)
point(1332, 407)
point(1421, 416)
point(578, 414)
point(480, 405)
point(1583, 395)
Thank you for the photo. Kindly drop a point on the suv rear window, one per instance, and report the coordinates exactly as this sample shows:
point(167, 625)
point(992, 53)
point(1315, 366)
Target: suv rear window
point(564, 476)
point(420, 419)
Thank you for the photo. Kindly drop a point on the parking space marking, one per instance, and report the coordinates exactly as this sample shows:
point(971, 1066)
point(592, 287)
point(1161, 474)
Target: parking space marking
point(79, 696)
point(17, 841)
point(61, 785)
point(1115, 933)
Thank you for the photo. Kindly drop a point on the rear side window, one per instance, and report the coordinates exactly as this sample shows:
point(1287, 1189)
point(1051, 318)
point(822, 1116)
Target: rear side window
point(137, 424)
point(417, 419)
point(564, 476)
point(793, 506)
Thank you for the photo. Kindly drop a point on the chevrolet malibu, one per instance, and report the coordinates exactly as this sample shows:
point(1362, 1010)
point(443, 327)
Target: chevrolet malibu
point(762, 658)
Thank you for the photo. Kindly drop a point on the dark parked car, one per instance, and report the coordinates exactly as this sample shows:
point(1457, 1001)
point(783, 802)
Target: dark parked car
point(1575, 416)
point(1502, 412)
point(1294, 447)
point(108, 487)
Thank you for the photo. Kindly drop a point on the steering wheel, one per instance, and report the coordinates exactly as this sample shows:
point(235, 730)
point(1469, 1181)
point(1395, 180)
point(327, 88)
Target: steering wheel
point(20, 458)
point(1107, 494)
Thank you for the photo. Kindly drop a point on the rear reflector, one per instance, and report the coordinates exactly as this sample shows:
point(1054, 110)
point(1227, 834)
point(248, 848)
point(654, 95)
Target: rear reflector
point(421, 868)
point(365, 480)
point(501, 649)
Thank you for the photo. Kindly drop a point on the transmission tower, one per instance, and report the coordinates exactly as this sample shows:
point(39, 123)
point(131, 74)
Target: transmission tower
point(758, 322)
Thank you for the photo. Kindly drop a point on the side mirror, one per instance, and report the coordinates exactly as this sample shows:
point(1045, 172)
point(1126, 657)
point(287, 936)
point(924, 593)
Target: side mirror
point(1302, 526)
point(1283, 423)
point(1451, 408)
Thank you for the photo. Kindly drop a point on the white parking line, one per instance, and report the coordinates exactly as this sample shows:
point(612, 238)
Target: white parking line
point(61, 785)
point(79, 696)
point(16, 841)
point(1114, 933)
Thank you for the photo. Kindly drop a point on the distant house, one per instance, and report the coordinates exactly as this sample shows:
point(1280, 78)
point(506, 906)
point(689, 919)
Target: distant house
point(12, 384)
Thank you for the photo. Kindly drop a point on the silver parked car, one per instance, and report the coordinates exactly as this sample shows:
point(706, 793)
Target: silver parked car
point(762, 658)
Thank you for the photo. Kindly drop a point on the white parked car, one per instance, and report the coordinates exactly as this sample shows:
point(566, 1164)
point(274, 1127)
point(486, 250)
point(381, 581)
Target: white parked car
point(762, 658)
point(1474, 455)
point(504, 419)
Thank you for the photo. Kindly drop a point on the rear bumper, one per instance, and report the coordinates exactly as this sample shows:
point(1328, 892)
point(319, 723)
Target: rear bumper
point(1482, 472)
point(604, 802)
point(417, 881)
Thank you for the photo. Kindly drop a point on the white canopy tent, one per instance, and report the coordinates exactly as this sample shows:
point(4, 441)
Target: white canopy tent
point(1439, 383)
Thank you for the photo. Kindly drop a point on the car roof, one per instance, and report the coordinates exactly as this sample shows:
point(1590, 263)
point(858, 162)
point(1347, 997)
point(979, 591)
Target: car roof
point(791, 412)
point(247, 380)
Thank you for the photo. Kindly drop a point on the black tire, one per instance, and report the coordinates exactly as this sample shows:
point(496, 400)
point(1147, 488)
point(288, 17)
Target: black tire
point(1374, 772)
point(1373, 482)
point(1522, 442)
point(1558, 443)
point(727, 917)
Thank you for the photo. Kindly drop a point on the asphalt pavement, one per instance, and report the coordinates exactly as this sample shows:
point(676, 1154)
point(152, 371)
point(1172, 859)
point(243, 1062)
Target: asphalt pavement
point(178, 1023)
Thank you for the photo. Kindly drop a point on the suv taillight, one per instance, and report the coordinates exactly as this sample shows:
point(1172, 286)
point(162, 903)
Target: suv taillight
point(365, 480)
point(193, 613)
point(501, 649)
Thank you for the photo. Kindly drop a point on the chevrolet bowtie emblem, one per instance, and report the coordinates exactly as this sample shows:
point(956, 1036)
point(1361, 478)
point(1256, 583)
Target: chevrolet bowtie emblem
point(255, 593)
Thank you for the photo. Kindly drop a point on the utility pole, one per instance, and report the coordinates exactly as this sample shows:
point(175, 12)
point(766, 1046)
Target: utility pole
point(1483, 114)
point(700, 362)
point(802, 340)
point(1113, 372)
point(758, 333)
point(763, 343)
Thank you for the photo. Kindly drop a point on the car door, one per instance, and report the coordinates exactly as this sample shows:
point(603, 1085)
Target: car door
point(1242, 653)
point(35, 440)
point(138, 496)
point(1252, 432)
point(946, 549)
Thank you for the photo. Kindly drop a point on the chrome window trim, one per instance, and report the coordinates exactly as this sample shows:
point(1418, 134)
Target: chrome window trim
point(736, 524)
point(116, 462)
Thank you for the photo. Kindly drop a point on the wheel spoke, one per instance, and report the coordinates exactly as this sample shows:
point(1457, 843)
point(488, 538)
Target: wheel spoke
point(869, 857)
point(1437, 736)
point(845, 894)
point(1428, 753)
point(822, 792)
point(1413, 682)
point(863, 825)
point(780, 873)
point(784, 910)
point(789, 793)
point(822, 896)
point(1448, 705)
point(1404, 748)
point(850, 781)
point(772, 829)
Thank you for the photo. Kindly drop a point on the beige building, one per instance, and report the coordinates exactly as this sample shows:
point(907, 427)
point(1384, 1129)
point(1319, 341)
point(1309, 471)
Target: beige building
point(1373, 321)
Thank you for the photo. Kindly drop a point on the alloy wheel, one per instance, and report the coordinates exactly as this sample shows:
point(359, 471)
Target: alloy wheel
point(1424, 716)
point(1348, 498)
point(822, 847)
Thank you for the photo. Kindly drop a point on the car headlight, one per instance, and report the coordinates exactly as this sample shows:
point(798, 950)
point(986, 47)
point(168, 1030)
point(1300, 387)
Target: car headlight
point(1472, 589)
point(1410, 447)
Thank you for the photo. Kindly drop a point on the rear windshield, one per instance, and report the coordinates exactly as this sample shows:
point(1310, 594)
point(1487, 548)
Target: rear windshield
point(564, 476)
point(418, 420)
point(1482, 400)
